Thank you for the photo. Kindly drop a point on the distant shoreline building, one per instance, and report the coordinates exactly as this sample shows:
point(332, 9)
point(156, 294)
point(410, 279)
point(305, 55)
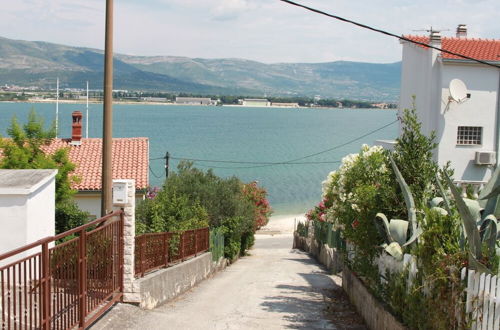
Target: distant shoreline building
point(255, 103)
point(284, 105)
point(194, 100)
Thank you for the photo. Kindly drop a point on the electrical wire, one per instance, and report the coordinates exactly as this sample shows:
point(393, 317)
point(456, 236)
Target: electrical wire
point(154, 174)
point(288, 162)
point(245, 162)
point(364, 26)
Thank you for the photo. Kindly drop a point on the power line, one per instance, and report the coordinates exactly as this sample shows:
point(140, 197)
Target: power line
point(154, 174)
point(245, 162)
point(364, 26)
point(288, 162)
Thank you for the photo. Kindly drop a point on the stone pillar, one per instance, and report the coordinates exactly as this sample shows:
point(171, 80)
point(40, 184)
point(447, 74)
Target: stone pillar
point(129, 292)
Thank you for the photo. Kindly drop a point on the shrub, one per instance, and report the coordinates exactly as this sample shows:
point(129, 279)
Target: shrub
point(262, 209)
point(191, 198)
point(69, 216)
point(169, 211)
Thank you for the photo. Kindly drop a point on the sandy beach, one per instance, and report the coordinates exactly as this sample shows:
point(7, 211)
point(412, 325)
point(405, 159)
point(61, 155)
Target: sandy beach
point(281, 224)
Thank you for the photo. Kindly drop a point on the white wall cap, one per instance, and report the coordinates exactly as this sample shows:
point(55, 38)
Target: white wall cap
point(24, 182)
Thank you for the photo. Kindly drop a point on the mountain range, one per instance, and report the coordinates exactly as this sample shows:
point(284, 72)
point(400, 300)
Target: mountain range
point(35, 63)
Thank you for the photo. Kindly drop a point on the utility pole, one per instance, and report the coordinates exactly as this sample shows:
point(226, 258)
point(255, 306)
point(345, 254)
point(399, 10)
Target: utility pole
point(167, 164)
point(87, 116)
point(57, 107)
point(107, 136)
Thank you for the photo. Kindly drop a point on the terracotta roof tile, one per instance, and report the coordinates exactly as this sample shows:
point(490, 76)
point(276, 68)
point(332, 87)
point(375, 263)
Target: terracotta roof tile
point(130, 160)
point(481, 49)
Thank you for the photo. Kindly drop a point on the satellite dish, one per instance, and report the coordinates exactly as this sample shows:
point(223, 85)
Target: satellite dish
point(458, 90)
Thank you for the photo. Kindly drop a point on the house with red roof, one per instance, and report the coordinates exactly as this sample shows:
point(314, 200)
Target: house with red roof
point(130, 160)
point(457, 98)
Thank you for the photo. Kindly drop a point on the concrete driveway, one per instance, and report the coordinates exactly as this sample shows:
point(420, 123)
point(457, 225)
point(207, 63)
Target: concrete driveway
point(275, 287)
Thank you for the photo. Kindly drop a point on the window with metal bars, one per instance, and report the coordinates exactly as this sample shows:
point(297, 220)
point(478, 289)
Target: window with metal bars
point(469, 135)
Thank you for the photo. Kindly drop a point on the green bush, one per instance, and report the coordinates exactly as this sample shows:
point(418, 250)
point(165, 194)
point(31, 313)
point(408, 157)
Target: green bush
point(69, 216)
point(169, 212)
point(192, 198)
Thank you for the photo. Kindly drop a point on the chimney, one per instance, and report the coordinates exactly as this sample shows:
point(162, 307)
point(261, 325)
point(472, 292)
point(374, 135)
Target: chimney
point(462, 31)
point(76, 128)
point(435, 38)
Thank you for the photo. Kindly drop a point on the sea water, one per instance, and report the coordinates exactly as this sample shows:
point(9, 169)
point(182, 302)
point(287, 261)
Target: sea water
point(235, 134)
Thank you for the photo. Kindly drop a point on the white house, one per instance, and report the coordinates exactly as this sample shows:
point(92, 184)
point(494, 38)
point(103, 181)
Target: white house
point(467, 127)
point(27, 208)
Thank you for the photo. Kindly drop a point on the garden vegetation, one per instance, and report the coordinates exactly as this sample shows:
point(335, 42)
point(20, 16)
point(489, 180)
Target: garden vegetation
point(192, 198)
point(24, 150)
point(427, 221)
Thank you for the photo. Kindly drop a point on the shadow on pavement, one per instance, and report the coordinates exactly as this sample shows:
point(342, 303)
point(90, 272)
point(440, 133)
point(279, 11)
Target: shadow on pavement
point(321, 304)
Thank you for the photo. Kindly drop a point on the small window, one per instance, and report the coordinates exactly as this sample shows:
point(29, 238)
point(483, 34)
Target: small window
point(469, 135)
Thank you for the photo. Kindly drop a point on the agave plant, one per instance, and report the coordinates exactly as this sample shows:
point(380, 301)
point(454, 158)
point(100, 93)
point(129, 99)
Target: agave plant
point(399, 233)
point(480, 224)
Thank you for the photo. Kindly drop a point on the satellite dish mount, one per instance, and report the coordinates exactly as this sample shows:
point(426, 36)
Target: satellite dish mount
point(458, 91)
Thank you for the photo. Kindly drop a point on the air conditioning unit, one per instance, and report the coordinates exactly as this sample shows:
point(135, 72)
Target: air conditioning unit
point(485, 157)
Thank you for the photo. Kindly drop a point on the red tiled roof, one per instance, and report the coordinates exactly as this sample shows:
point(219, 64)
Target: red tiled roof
point(481, 49)
point(130, 160)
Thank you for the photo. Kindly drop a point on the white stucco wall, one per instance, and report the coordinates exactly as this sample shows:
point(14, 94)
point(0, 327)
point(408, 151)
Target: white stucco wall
point(480, 110)
point(420, 78)
point(41, 212)
point(91, 202)
point(426, 76)
point(27, 214)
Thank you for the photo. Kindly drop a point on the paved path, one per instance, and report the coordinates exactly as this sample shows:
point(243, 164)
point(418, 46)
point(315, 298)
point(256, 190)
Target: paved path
point(274, 287)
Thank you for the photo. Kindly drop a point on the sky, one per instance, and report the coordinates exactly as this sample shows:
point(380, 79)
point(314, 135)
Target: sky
point(268, 31)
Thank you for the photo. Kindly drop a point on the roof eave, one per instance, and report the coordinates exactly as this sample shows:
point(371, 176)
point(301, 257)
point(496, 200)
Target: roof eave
point(467, 62)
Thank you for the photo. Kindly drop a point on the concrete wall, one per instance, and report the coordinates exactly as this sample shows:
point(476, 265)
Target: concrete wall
point(26, 217)
point(323, 253)
point(372, 311)
point(166, 284)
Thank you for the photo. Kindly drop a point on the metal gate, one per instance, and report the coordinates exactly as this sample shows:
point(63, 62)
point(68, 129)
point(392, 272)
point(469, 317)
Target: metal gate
point(64, 281)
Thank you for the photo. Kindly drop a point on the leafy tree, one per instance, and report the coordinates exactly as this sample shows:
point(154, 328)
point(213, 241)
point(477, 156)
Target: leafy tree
point(24, 150)
point(413, 155)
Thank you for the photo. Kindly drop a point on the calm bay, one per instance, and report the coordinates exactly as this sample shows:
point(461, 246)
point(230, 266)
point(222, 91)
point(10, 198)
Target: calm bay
point(235, 133)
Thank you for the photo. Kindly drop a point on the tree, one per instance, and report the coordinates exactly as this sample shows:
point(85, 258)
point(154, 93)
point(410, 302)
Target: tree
point(24, 150)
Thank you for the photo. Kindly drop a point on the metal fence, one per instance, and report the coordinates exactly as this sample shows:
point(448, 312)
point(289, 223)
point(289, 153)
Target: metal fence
point(65, 285)
point(217, 243)
point(325, 234)
point(157, 250)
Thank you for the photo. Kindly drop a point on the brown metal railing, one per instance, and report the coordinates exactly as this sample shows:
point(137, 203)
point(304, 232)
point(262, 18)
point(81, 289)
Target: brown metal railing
point(157, 250)
point(66, 285)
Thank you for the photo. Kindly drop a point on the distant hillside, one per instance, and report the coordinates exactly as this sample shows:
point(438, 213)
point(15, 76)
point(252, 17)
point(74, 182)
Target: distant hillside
point(39, 63)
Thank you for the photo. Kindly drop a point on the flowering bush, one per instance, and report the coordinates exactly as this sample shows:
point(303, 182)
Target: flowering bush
point(319, 212)
point(361, 187)
point(258, 196)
